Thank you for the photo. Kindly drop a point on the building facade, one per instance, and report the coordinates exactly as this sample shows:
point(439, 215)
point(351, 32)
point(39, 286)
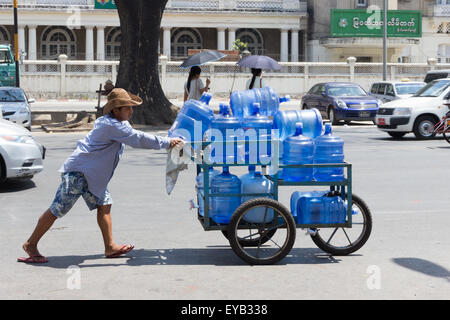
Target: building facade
point(433, 43)
point(77, 28)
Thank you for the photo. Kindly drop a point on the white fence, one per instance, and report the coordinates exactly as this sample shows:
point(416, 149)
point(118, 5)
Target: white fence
point(80, 79)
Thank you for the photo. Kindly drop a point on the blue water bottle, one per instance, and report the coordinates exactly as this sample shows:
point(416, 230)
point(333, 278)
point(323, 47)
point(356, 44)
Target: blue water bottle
point(257, 131)
point(200, 190)
point(298, 149)
point(329, 149)
point(222, 208)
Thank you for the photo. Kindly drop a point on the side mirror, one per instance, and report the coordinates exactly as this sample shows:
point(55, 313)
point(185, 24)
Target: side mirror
point(31, 100)
point(323, 94)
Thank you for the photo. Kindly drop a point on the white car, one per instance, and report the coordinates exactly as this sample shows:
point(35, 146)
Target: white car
point(20, 155)
point(417, 114)
point(16, 106)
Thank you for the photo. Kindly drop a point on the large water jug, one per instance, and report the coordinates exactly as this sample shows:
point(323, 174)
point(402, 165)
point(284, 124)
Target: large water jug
point(297, 195)
point(242, 102)
point(257, 131)
point(200, 190)
point(298, 149)
point(328, 149)
point(285, 122)
point(225, 133)
point(255, 182)
point(319, 208)
point(193, 119)
point(222, 208)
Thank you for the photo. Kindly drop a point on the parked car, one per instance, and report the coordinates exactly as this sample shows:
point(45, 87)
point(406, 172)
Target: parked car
point(341, 101)
point(417, 114)
point(436, 74)
point(20, 155)
point(16, 106)
point(388, 91)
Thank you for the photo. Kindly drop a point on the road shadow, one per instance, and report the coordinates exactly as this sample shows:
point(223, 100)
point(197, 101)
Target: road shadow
point(16, 185)
point(215, 256)
point(424, 266)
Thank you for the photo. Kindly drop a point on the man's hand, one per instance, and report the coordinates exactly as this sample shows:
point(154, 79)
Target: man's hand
point(175, 141)
point(208, 82)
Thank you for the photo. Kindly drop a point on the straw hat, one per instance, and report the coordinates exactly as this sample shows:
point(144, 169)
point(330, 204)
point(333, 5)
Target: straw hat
point(119, 97)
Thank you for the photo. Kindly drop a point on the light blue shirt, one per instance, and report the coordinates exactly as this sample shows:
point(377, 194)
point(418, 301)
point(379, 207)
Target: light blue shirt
point(98, 154)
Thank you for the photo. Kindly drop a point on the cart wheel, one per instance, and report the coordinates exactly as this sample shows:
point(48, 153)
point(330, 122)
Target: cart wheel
point(343, 241)
point(254, 238)
point(277, 245)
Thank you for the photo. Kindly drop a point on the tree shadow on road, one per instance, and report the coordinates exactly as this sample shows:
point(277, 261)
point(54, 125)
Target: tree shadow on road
point(218, 256)
point(424, 266)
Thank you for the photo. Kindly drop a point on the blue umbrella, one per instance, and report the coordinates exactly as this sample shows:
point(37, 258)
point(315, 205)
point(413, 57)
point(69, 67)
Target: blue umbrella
point(259, 62)
point(201, 58)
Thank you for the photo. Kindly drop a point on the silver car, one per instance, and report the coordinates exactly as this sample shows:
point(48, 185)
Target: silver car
point(393, 90)
point(15, 106)
point(20, 155)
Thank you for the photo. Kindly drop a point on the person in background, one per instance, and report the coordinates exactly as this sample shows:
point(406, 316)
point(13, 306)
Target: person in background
point(194, 87)
point(256, 81)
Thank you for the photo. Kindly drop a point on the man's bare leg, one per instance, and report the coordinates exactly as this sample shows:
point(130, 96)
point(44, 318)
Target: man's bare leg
point(105, 223)
point(45, 221)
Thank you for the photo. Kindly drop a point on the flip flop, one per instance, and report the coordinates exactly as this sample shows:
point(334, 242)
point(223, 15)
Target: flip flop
point(33, 259)
point(121, 251)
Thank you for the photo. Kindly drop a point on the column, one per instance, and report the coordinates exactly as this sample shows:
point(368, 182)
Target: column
point(231, 37)
point(32, 49)
point(100, 43)
point(21, 35)
point(284, 46)
point(166, 42)
point(220, 38)
point(294, 45)
point(89, 43)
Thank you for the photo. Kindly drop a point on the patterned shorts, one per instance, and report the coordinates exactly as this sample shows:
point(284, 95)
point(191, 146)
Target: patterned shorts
point(73, 186)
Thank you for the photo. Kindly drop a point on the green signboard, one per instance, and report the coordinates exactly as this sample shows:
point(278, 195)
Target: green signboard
point(105, 4)
point(369, 23)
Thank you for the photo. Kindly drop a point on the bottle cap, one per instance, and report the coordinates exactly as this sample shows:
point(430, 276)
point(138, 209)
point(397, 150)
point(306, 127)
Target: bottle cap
point(327, 128)
point(256, 107)
point(298, 128)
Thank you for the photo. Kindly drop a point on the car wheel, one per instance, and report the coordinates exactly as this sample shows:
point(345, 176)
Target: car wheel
point(423, 126)
point(332, 116)
point(305, 107)
point(396, 135)
point(2, 170)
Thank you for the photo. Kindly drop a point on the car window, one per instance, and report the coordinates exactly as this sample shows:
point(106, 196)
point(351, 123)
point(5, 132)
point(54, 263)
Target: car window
point(313, 89)
point(408, 88)
point(381, 88)
point(435, 76)
point(321, 89)
point(12, 95)
point(5, 57)
point(390, 90)
point(374, 89)
point(346, 91)
point(433, 89)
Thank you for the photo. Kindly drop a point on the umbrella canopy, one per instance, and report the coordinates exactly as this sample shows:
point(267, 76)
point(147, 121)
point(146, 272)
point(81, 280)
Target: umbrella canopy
point(259, 62)
point(201, 58)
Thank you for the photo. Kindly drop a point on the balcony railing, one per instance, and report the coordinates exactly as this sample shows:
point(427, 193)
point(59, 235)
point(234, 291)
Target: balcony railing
point(442, 10)
point(240, 5)
point(49, 3)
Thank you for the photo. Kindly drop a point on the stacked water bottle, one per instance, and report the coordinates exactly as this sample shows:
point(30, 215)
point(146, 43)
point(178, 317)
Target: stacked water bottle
point(301, 142)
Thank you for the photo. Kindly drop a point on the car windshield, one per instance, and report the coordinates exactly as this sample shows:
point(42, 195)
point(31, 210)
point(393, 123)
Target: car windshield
point(346, 91)
point(5, 57)
point(433, 89)
point(408, 88)
point(12, 95)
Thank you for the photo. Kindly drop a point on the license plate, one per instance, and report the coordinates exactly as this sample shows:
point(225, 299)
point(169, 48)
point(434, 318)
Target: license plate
point(364, 114)
point(381, 121)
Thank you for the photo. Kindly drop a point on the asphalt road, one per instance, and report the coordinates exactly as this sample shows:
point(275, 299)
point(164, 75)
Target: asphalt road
point(404, 182)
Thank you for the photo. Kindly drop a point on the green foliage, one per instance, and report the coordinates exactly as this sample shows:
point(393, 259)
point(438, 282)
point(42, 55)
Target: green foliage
point(239, 45)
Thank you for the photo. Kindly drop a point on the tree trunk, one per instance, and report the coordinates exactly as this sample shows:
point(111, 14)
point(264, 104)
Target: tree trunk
point(140, 23)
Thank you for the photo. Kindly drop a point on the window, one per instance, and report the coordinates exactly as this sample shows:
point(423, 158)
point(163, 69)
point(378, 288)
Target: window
point(58, 40)
point(253, 38)
point(184, 39)
point(381, 88)
point(390, 90)
point(374, 89)
point(361, 3)
point(4, 36)
point(113, 40)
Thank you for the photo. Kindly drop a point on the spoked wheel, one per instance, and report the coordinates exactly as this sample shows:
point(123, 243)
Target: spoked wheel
point(267, 246)
point(447, 135)
point(252, 238)
point(343, 241)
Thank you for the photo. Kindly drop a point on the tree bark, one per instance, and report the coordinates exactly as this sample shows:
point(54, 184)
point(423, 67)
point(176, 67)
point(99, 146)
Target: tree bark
point(140, 23)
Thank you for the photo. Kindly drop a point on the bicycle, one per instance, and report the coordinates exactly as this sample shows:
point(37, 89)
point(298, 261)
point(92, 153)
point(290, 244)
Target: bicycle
point(443, 126)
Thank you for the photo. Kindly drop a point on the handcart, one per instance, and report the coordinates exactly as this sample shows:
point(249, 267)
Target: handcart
point(270, 241)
